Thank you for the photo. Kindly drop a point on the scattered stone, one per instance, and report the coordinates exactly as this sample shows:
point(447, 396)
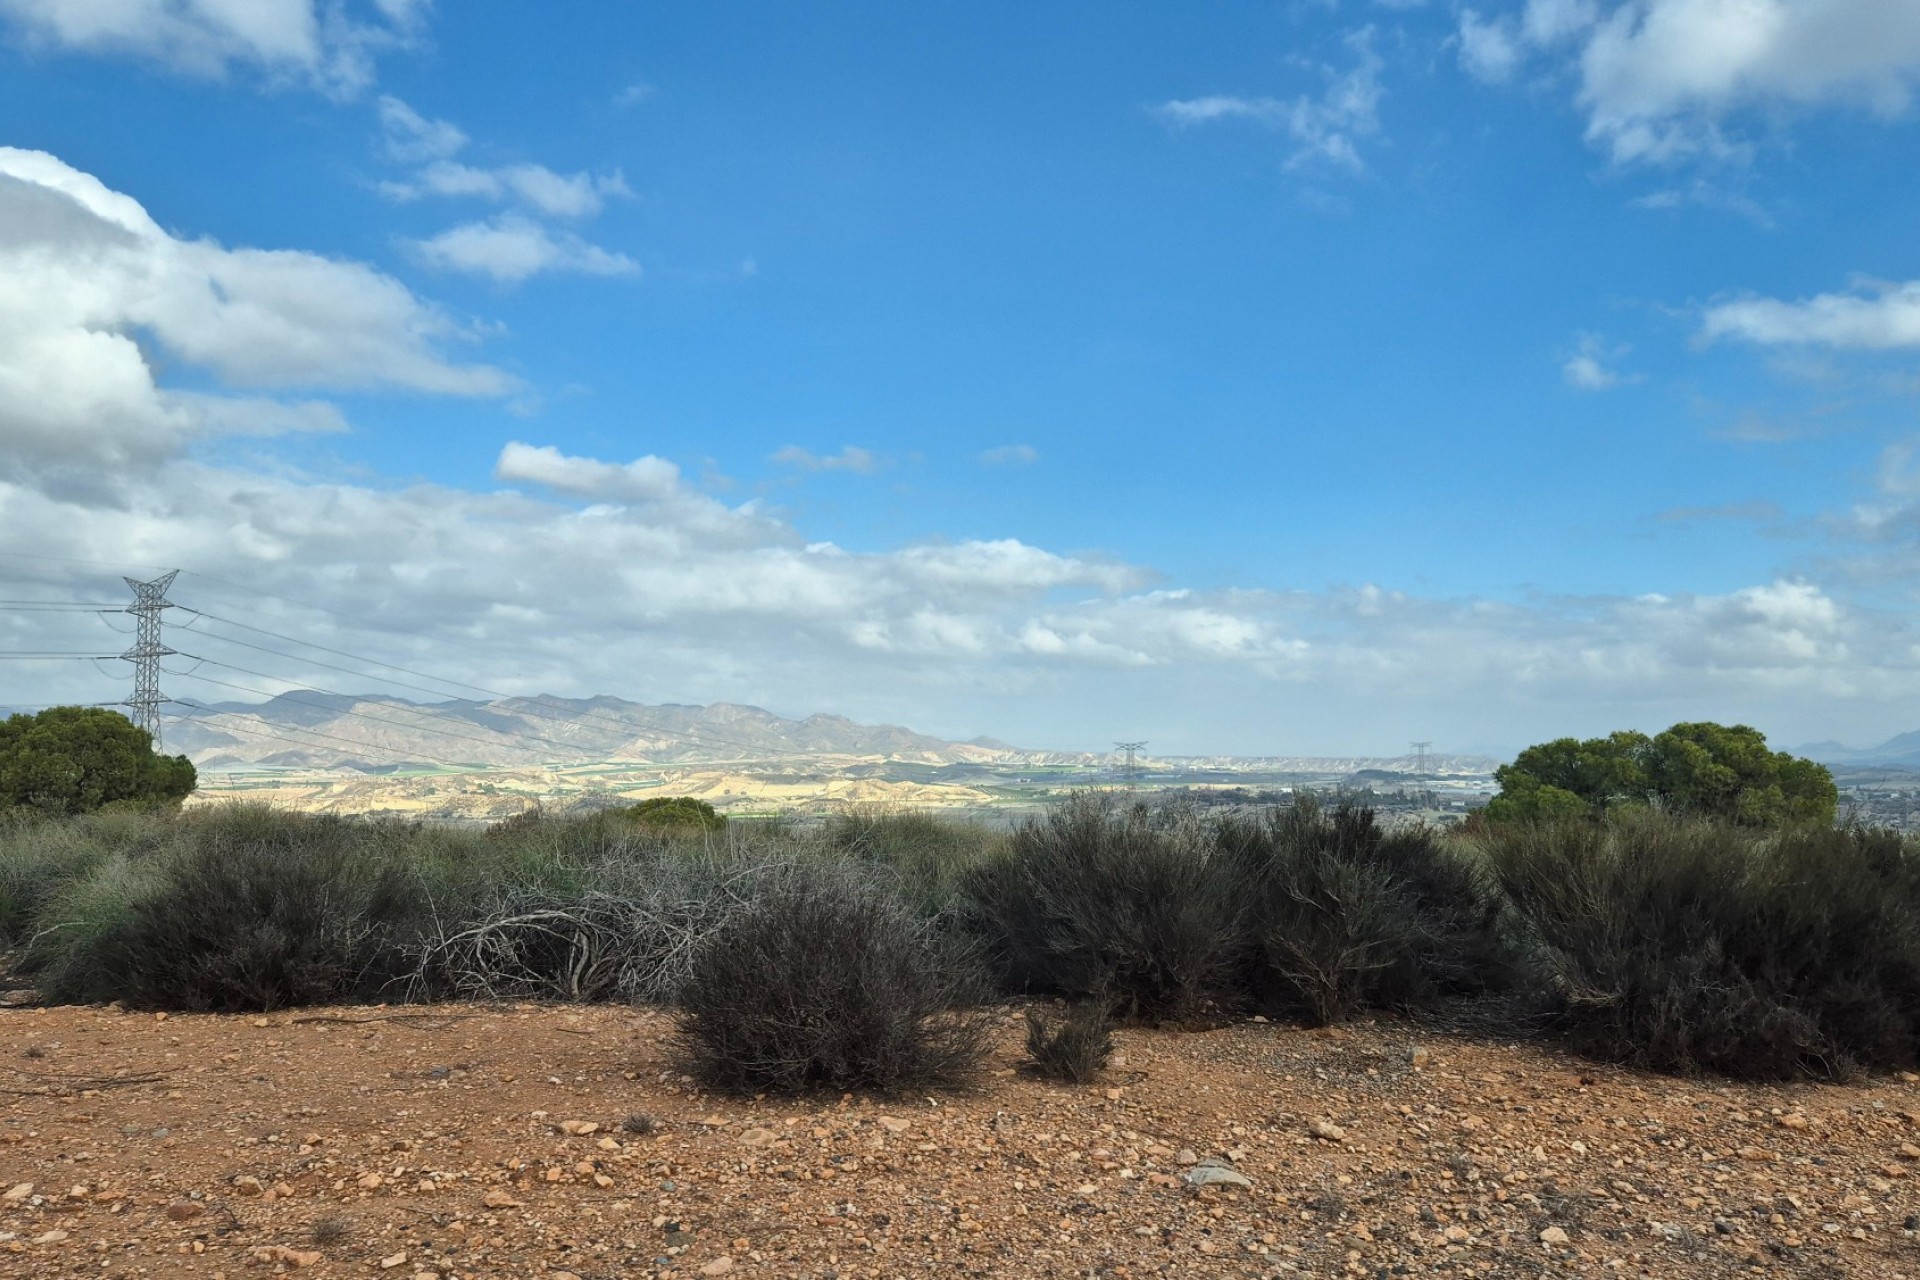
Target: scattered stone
point(718, 1267)
point(185, 1210)
point(1554, 1235)
point(50, 1237)
point(499, 1198)
point(371, 1181)
point(18, 1192)
point(391, 1261)
point(248, 1185)
point(1794, 1120)
point(579, 1128)
point(894, 1125)
point(1215, 1172)
point(759, 1138)
point(290, 1257)
point(1326, 1130)
point(1185, 1156)
point(1419, 1057)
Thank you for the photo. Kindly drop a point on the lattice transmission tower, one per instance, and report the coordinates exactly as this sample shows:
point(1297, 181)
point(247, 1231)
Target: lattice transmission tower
point(149, 602)
point(1128, 768)
point(1420, 750)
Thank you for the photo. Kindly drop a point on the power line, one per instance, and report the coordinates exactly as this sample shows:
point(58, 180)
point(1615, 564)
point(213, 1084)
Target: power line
point(1128, 769)
point(58, 607)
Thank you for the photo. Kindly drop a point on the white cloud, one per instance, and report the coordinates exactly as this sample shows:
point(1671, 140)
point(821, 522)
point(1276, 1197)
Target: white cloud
point(647, 479)
point(331, 46)
point(515, 245)
point(409, 137)
point(633, 582)
point(1325, 128)
point(97, 292)
point(1588, 367)
point(1489, 51)
point(1670, 80)
point(1875, 316)
point(560, 195)
point(1011, 455)
point(851, 458)
point(511, 248)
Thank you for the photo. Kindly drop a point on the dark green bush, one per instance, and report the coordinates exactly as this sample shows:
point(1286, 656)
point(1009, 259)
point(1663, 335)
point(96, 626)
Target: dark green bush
point(1340, 915)
point(1687, 946)
point(1108, 901)
point(826, 981)
point(68, 760)
point(249, 911)
point(1073, 1047)
point(681, 814)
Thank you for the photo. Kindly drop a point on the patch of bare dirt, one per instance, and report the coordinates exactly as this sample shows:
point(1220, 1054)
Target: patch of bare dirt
point(520, 1141)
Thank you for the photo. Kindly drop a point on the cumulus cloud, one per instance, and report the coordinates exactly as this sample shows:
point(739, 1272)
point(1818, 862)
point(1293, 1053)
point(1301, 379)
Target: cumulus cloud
point(1668, 80)
point(1325, 128)
point(512, 248)
point(96, 290)
point(592, 576)
point(331, 46)
point(850, 458)
point(1874, 316)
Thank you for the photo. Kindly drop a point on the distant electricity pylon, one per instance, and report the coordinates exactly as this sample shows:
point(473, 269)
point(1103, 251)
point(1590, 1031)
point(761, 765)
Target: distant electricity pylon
point(1420, 757)
point(149, 601)
point(1128, 769)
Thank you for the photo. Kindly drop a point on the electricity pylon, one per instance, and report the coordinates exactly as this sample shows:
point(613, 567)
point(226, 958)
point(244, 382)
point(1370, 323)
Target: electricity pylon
point(149, 601)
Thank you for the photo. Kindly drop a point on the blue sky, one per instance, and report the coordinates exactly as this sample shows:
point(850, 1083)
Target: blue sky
point(1292, 377)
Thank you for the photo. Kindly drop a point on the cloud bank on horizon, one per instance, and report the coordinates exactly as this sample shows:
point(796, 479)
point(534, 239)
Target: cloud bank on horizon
point(173, 395)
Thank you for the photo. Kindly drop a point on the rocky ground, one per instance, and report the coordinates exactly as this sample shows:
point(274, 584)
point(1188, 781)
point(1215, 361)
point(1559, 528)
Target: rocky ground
point(520, 1141)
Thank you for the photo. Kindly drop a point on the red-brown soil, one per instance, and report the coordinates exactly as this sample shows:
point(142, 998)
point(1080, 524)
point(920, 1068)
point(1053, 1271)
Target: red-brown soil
point(432, 1142)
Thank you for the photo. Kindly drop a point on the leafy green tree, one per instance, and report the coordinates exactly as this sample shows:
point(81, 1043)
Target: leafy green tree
point(78, 759)
point(677, 813)
point(1713, 770)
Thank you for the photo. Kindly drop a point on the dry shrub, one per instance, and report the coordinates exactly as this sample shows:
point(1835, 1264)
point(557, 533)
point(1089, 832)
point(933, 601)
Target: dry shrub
point(1109, 901)
point(826, 981)
point(1341, 915)
point(254, 912)
point(1072, 1048)
point(1682, 945)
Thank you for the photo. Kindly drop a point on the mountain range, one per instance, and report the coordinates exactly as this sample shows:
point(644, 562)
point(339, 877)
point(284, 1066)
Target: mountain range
point(306, 729)
point(1900, 751)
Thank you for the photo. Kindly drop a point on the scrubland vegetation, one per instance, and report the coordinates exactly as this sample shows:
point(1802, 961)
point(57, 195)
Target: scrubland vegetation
point(857, 953)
